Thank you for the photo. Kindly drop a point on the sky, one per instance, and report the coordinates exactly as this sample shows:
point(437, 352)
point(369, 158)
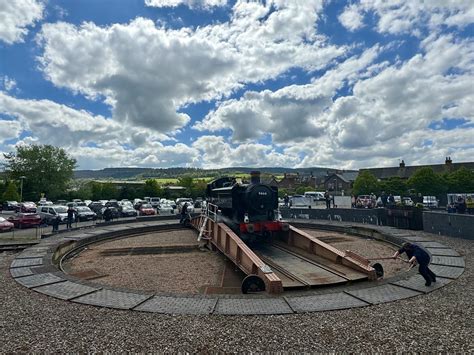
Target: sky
point(221, 83)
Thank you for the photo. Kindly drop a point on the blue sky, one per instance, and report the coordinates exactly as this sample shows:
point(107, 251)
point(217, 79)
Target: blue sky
point(216, 83)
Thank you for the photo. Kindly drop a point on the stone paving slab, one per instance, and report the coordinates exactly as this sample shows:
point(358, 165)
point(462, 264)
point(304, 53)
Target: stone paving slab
point(449, 272)
point(21, 271)
point(38, 280)
point(26, 262)
point(29, 254)
point(419, 239)
point(326, 302)
point(383, 294)
point(66, 290)
point(442, 252)
point(432, 245)
point(252, 306)
point(417, 283)
point(448, 261)
point(178, 305)
point(112, 299)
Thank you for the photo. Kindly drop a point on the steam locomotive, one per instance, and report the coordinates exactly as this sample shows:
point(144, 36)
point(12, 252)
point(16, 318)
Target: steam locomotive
point(248, 209)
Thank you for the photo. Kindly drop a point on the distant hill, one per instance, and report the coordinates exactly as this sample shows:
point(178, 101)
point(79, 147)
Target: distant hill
point(146, 173)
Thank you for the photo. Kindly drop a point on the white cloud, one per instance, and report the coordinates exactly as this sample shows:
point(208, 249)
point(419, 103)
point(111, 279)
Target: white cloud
point(351, 18)
point(7, 83)
point(9, 130)
point(190, 3)
point(406, 16)
point(16, 16)
point(148, 73)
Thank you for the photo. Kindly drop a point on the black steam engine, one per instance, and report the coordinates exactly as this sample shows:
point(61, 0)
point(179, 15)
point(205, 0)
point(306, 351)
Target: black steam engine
point(249, 209)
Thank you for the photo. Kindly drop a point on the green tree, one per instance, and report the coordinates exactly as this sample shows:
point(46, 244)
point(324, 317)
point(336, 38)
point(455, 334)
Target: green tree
point(109, 191)
point(394, 185)
point(365, 184)
point(152, 189)
point(461, 180)
point(426, 182)
point(11, 193)
point(47, 169)
point(187, 182)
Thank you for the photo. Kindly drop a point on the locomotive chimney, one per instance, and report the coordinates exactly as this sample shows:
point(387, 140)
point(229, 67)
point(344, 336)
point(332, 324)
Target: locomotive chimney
point(255, 177)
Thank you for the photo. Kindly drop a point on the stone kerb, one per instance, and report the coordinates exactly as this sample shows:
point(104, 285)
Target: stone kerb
point(37, 268)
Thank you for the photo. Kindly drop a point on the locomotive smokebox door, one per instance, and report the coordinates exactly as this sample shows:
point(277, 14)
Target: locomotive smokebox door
point(252, 283)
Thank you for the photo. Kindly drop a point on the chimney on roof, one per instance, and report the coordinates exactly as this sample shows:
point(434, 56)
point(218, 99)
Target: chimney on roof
point(402, 164)
point(448, 161)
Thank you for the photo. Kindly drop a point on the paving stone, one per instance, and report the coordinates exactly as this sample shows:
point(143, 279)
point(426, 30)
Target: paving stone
point(325, 302)
point(28, 254)
point(66, 290)
point(449, 272)
point(178, 305)
point(432, 245)
point(38, 280)
point(419, 238)
point(417, 283)
point(252, 306)
point(448, 260)
point(21, 271)
point(442, 252)
point(383, 294)
point(112, 299)
point(26, 262)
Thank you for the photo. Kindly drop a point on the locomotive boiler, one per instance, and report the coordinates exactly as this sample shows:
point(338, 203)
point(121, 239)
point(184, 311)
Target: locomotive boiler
point(250, 210)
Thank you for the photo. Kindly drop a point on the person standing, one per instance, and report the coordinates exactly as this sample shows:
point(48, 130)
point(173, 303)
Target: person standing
point(417, 255)
point(327, 197)
point(55, 222)
point(184, 211)
point(70, 217)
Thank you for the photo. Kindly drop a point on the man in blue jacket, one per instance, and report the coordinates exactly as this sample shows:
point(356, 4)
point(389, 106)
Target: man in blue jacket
point(417, 255)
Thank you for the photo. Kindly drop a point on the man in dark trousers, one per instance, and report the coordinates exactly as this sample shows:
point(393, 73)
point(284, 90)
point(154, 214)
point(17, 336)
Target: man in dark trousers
point(327, 197)
point(417, 255)
point(184, 211)
point(70, 217)
point(55, 222)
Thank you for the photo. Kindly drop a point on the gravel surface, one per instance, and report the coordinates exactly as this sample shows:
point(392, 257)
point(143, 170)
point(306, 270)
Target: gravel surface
point(438, 322)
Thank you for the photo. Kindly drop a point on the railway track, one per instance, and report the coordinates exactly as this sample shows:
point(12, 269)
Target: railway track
point(15, 246)
point(297, 270)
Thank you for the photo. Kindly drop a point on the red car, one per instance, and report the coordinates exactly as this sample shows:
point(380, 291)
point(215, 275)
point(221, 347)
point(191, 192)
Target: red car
point(146, 210)
point(5, 225)
point(22, 220)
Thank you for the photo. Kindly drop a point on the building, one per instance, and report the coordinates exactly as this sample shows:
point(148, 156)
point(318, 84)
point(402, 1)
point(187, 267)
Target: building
point(405, 172)
point(338, 182)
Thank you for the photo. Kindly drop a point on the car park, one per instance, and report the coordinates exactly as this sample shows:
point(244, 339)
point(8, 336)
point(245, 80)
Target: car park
point(85, 214)
point(154, 202)
point(5, 225)
point(48, 213)
point(146, 210)
point(430, 202)
point(61, 202)
point(407, 201)
point(24, 220)
point(112, 203)
point(166, 208)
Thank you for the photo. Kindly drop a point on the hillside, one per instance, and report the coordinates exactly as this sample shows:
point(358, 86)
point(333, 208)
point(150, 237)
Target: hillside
point(145, 173)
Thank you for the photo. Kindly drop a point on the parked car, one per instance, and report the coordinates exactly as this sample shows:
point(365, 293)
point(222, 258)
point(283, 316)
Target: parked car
point(166, 208)
point(430, 202)
point(61, 202)
point(85, 214)
point(180, 202)
point(26, 207)
point(407, 201)
point(9, 205)
point(127, 211)
point(154, 202)
point(110, 212)
point(97, 208)
point(5, 225)
point(112, 203)
point(23, 220)
point(198, 202)
point(146, 210)
point(48, 213)
point(45, 203)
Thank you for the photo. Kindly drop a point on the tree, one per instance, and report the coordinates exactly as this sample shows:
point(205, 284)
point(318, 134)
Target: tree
point(365, 184)
point(152, 189)
point(394, 185)
point(426, 182)
point(461, 180)
point(47, 169)
point(11, 193)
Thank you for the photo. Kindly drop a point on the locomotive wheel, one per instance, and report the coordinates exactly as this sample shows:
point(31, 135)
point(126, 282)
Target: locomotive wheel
point(378, 269)
point(252, 283)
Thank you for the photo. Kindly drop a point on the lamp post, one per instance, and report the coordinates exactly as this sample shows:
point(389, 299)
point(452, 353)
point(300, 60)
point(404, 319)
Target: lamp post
point(21, 187)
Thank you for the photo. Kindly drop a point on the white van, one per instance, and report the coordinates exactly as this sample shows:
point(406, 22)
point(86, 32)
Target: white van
point(314, 195)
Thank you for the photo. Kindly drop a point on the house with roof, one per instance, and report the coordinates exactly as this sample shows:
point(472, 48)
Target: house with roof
point(340, 181)
point(405, 172)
